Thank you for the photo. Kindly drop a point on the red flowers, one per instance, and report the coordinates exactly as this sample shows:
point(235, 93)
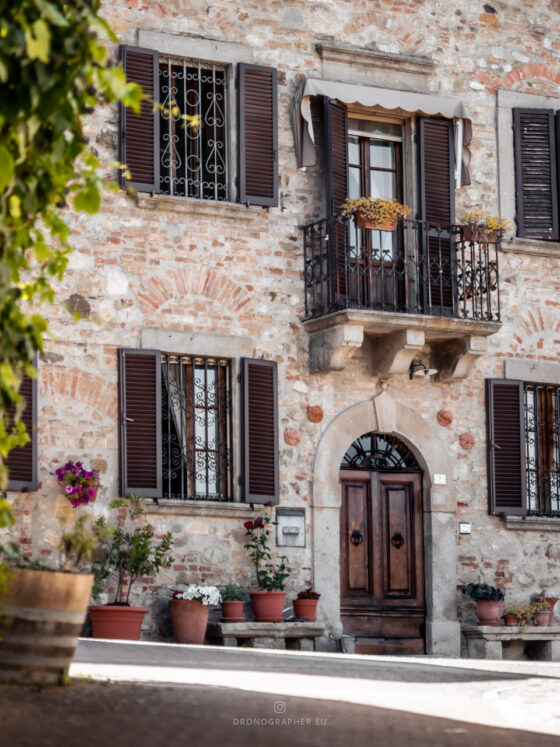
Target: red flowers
point(248, 525)
point(259, 523)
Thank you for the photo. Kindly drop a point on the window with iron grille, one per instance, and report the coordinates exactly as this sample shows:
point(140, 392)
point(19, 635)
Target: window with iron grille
point(542, 443)
point(193, 129)
point(178, 144)
point(196, 428)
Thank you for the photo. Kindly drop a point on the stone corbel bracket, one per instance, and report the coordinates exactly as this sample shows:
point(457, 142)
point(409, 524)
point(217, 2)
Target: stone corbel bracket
point(393, 353)
point(455, 359)
point(331, 349)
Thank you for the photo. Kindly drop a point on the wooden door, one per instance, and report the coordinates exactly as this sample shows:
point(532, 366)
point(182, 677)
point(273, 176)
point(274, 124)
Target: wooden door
point(382, 561)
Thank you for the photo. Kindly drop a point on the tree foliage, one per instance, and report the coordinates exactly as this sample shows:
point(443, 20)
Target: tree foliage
point(54, 70)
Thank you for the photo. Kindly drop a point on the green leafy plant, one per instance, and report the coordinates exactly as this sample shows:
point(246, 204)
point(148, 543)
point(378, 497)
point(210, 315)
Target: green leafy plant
point(270, 576)
point(128, 551)
point(54, 70)
point(233, 593)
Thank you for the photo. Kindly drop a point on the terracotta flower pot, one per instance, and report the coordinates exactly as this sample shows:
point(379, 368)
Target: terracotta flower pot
point(92, 484)
point(42, 614)
point(511, 620)
point(489, 613)
point(117, 621)
point(306, 609)
point(542, 618)
point(268, 605)
point(389, 225)
point(232, 611)
point(189, 618)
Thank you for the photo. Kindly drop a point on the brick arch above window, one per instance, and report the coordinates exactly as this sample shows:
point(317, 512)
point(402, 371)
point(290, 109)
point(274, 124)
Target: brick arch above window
point(156, 291)
point(77, 385)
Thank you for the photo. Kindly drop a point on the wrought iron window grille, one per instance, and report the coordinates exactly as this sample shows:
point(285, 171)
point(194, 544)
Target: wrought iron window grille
point(194, 127)
point(542, 444)
point(380, 453)
point(197, 428)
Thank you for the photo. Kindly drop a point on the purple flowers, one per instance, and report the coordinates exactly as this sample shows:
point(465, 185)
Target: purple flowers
point(80, 485)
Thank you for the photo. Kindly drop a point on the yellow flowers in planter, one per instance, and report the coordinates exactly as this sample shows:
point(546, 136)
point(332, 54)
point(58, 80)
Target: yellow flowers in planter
point(374, 213)
point(485, 222)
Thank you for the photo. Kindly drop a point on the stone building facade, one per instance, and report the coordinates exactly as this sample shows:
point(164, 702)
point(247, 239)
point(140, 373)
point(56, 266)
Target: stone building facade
point(217, 278)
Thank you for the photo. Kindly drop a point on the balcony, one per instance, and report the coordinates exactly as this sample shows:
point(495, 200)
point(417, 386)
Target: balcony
point(421, 288)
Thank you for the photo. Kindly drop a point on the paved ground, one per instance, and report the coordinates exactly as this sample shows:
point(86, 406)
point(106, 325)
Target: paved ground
point(163, 693)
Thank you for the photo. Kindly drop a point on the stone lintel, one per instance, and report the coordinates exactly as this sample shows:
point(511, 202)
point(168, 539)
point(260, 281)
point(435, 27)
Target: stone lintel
point(455, 359)
point(330, 349)
point(353, 55)
point(392, 354)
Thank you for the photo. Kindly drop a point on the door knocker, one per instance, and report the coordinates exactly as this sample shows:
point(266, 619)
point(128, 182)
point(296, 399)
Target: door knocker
point(356, 538)
point(397, 540)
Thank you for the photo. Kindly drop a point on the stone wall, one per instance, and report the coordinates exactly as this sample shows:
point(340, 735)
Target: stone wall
point(230, 270)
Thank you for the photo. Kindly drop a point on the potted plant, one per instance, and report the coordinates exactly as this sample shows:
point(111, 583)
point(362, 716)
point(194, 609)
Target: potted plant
point(42, 610)
point(516, 615)
point(305, 604)
point(541, 612)
point(551, 601)
point(483, 227)
point(126, 552)
point(189, 612)
point(489, 603)
point(268, 601)
point(80, 485)
point(377, 213)
point(233, 600)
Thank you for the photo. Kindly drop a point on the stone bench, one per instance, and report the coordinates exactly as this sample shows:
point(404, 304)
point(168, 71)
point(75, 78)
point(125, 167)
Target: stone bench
point(297, 636)
point(485, 642)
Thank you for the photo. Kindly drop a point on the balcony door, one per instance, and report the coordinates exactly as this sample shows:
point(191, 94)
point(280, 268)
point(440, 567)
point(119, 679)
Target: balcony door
point(375, 257)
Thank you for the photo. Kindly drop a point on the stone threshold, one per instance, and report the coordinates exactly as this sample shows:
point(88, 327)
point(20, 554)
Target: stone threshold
point(203, 508)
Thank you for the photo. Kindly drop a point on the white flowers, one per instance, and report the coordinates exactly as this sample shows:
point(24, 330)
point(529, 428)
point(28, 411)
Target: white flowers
point(204, 594)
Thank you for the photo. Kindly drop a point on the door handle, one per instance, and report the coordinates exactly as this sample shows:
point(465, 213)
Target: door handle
point(356, 538)
point(397, 540)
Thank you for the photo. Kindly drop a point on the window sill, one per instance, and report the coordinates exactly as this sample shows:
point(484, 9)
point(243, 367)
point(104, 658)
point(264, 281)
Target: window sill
point(189, 206)
point(202, 508)
point(535, 247)
point(533, 523)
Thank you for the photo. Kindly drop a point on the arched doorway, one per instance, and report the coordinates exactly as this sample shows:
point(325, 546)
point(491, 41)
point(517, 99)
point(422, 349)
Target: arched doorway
point(382, 596)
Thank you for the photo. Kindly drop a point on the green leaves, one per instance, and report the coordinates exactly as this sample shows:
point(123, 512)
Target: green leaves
point(88, 200)
point(38, 41)
point(6, 168)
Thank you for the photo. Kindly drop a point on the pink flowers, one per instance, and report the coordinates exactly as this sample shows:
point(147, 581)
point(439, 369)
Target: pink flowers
point(79, 484)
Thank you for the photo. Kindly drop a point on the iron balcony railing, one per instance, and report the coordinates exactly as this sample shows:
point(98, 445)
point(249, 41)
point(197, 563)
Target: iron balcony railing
point(420, 268)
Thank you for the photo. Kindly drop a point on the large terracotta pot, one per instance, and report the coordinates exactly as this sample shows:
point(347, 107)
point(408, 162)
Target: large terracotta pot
point(268, 605)
point(117, 621)
point(489, 613)
point(41, 617)
point(232, 611)
point(189, 618)
point(306, 609)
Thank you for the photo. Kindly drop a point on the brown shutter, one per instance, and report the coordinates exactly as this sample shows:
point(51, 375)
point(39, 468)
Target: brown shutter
point(505, 443)
point(336, 154)
point(257, 107)
point(536, 188)
point(259, 407)
point(22, 461)
point(437, 207)
point(140, 444)
point(139, 133)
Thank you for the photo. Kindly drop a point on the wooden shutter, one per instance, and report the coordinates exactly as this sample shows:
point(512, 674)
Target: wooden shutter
point(139, 133)
point(259, 407)
point(336, 154)
point(22, 461)
point(257, 108)
point(437, 206)
point(140, 443)
point(536, 187)
point(505, 443)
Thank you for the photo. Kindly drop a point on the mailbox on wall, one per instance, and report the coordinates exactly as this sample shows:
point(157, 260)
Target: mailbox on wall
point(290, 529)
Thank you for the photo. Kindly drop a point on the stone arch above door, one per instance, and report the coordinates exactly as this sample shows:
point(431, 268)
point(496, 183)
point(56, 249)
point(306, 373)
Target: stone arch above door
point(383, 414)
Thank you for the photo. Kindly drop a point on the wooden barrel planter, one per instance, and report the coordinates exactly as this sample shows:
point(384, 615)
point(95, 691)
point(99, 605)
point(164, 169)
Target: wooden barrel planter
point(41, 617)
